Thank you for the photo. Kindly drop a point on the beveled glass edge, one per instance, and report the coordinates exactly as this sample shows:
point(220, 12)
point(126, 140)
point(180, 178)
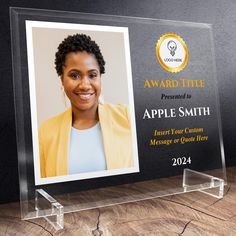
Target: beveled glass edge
point(219, 119)
point(18, 108)
point(60, 13)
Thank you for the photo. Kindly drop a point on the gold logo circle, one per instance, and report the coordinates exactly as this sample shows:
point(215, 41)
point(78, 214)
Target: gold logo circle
point(172, 52)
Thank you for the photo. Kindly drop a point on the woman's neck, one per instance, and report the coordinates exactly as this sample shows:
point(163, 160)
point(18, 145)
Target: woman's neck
point(84, 119)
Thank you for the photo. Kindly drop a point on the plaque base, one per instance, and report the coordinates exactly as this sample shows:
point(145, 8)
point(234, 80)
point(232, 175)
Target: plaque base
point(49, 208)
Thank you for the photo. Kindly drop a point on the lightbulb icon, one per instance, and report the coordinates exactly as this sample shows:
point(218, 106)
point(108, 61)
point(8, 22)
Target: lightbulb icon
point(172, 46)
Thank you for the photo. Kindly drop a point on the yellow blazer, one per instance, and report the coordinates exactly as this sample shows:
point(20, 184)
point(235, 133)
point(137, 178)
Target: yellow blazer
point(54, 140)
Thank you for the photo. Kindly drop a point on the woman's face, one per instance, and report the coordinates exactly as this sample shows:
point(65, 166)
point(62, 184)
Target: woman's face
point(81, 80)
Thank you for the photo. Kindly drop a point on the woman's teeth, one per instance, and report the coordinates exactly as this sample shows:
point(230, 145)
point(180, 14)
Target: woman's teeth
point(85, 96)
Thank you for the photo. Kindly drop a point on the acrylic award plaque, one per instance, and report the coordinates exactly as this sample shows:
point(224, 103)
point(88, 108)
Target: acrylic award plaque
point(149, 84)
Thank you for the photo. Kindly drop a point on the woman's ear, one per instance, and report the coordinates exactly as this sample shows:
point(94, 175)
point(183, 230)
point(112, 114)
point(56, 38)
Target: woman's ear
point(63, 95)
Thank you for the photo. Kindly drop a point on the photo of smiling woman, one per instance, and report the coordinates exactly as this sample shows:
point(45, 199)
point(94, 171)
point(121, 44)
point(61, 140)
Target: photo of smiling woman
point(91, 135)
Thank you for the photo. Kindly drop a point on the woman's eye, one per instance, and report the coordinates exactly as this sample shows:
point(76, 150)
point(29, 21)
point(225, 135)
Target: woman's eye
point(92, 75)
point(75, 75)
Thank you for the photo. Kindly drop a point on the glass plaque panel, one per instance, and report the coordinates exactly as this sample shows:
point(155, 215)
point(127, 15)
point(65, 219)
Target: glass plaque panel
point(113, 109)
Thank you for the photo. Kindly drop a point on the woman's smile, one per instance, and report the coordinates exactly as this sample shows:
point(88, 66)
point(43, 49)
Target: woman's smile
point(85, 96)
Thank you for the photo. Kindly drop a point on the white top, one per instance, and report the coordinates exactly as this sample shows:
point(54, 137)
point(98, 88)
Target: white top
point(86, 153)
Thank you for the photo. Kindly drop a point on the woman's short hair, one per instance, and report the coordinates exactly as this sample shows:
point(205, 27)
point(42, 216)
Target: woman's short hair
point(78, 43)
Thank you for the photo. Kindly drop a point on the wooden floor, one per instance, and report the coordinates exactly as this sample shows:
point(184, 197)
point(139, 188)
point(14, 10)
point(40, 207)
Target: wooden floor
point(186, 214)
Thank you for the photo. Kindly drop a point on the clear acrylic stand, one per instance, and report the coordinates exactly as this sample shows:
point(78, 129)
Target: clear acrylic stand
point(157, 177)
point(49, 208)
point(205, 183)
